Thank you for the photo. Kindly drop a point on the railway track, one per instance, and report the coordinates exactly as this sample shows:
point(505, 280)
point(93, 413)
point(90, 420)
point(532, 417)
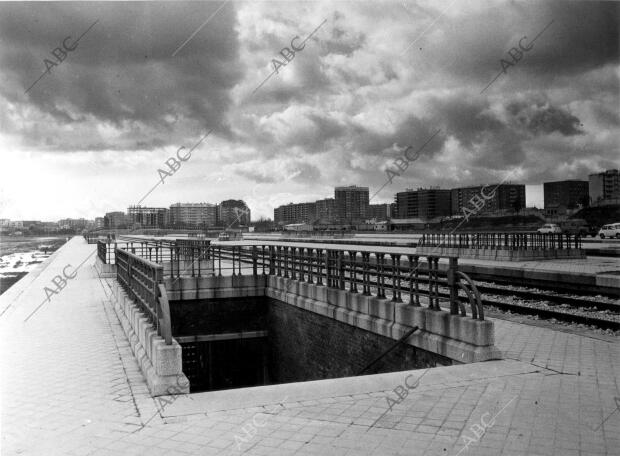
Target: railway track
point(547, 306)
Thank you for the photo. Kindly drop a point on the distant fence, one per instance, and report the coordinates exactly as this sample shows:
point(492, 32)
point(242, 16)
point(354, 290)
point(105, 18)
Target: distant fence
point(318, 234)
point(514, 241)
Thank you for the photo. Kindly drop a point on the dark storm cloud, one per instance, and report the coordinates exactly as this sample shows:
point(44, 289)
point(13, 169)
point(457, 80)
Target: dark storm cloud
point(122, 72)
point(467, 118)
point(583, 36)
point(540, 117)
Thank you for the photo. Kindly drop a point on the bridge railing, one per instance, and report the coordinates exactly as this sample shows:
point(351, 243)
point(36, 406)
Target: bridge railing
point(102, 252)
point(142, 280)
point(92, 238)
point(395, 276)
point(502, 241)
point(106, 251)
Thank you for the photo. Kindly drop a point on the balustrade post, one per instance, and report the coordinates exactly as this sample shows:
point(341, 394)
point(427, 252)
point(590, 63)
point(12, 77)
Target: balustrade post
point(254, 261)
point(328, 269)
point(341, 278)
point(353, 271)
point(293, 263)
point(310, 262)
point(380, 275)
point(396, 295)
point(319, 266)
point(302, 264)
point(414, 280)
point(285, 258)
point(453, 286)
point(262, 247)
point(365, 273)
point(272, 260)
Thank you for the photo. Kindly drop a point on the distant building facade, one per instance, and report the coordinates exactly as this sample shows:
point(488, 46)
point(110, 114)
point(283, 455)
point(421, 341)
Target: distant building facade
point(193, 214)
point(232, 213)
point(114, 220)
point(604, 186)
point(497, 198)
point(75, 224)
point(567, 194)
point(326, 210)
point(423, 203)
point(148, 217)
point(379, 212)
point(294, 213)
point(99, 222)
point(351, 204)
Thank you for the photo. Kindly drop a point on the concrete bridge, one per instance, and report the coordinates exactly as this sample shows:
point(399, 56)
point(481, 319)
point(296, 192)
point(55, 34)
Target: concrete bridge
point(71, 383)
point(180, 299)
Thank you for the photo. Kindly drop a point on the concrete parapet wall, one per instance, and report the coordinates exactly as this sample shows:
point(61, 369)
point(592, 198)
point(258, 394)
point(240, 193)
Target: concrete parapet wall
point(236, 286)
point(105, 270)
point(504, 254)
point(462, 339)
point(161, 364)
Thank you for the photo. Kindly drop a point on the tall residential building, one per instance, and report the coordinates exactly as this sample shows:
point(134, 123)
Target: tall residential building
point(496, 197)
point(76, 224)
point(379, 212)
point(604, 185)
point(567, 194)
point(326, 210)
point(423, 203)
point(232, 213)
point(295, 213)
point(114, 220)
point(99, 222)
point(193, 214)
point(351, 204)
point(148, 217)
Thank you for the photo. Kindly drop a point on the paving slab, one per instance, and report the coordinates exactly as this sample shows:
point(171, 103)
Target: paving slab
point(70, 386)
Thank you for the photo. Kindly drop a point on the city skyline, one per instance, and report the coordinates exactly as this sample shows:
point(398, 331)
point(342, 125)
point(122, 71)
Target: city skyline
point(598, 191)
point(134, 115)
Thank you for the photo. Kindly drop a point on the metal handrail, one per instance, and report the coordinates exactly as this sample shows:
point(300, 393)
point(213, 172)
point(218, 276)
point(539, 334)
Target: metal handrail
point(142, 280)
point(384, 275)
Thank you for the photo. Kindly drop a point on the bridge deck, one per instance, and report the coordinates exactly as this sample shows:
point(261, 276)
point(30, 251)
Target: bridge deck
point(71, 386)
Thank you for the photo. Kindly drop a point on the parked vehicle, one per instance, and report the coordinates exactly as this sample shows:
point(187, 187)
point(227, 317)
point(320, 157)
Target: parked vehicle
point(577, 226)
point(550, 228)
point(609, 231)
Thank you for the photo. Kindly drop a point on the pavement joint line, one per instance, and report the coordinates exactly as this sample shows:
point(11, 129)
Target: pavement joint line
point(118, 350)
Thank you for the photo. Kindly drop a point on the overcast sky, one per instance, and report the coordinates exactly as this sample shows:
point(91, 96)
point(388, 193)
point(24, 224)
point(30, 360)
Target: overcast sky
point(374, 78)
